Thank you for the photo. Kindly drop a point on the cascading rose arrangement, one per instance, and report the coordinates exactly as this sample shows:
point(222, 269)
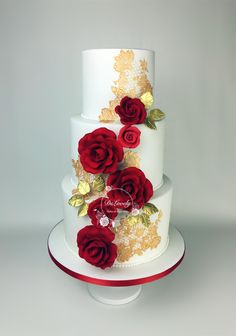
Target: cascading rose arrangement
point(127, 188)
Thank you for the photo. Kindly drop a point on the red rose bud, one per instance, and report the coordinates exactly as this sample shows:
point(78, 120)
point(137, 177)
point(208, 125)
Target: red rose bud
point(102, 209)
point(129, 136)
point(100, 152)
point(96, 247)
point(130, 188)
point(131, 111)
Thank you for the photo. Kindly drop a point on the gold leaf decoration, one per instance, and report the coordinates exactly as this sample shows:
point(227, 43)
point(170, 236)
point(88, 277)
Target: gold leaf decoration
point(131, 93)
point(149, 209)
point(134, 239)
point(107, 115)
point(144, 83)
point(145, 219)
point(131, 159)
point(98, 183)
point(83, 187)
point(147, 99)
point(76, 200)
point(132, 220)
point(124, 60)
point(89, 185)
point(80, 172)
point(143, 65)
point(150, 123)
point(75, 191)
point(160, 215)
point(123, 82)
point(156, 115)
point(83, 210)
point(132, 81)
point(77, 167)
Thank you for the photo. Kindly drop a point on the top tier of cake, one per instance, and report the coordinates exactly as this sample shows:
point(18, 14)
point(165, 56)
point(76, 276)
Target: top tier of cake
point(111, 74)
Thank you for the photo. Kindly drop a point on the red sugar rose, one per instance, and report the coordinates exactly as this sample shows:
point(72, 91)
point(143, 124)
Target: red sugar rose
point(102, 210)
point(100, 151)
point(130, 188)
point(129, 136)
point(131, 111)
point(96, 247)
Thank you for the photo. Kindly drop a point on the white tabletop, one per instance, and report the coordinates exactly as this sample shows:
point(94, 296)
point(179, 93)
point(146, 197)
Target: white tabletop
point(196, 299)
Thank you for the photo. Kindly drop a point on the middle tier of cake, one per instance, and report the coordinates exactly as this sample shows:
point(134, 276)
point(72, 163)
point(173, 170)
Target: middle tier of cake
point(148, 156)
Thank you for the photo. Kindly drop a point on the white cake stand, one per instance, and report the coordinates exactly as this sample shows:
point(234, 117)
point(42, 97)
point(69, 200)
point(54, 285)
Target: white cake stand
point(115, 285)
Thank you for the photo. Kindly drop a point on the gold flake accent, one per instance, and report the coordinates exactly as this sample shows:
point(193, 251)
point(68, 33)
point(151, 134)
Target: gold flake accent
point(153, 116)
point(107, 115)
point(143, 65)
point(131, 93)
point(150, 123)
point(156, 115)
point(98, 183)
point(131, 159)
point(80, 172)
point(147, 99)
point(76, 200)
point(132, 82)
point(145, 219)
point(83, 210)
point(149, 209)
point(144, 83)
point(134, 239)
point(83, 187)
point(89, 185)
point(124, 61)
point(160, 215)
point(132, 219)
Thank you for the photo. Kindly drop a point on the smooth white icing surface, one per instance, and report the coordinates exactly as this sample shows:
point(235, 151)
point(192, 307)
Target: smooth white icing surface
point(150, 149)
point(99, 75)
point(72, 223)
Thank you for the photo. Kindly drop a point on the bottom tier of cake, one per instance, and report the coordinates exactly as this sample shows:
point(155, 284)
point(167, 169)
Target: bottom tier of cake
point(137, 242)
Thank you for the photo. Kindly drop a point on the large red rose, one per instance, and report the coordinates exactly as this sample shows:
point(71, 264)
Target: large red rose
point(130, 188)
point(131, 111)
point(100, 151)
point(102, 212)
point(96, 247)
point(129, 136)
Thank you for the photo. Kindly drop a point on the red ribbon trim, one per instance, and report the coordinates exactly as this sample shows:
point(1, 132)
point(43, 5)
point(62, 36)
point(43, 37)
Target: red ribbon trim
point(115, 283)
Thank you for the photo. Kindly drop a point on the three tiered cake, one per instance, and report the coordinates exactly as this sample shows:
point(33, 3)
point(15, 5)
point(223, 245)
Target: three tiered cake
point(117, 200)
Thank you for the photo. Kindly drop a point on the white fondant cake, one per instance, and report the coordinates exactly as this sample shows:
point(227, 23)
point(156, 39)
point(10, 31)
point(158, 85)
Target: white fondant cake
point(117, 201)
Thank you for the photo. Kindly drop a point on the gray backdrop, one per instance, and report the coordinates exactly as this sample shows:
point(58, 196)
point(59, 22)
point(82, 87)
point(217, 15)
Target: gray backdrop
point(40, 85)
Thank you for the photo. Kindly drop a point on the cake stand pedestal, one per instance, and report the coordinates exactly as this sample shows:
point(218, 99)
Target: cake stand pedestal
point(115, 285)
point(114, 295)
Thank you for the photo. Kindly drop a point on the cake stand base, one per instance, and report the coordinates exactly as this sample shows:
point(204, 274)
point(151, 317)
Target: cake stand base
point(114, 295)
point(115, 285)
